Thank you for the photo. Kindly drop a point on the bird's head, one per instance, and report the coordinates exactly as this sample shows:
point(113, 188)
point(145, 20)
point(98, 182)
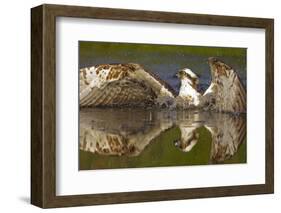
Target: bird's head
point(187, 74)
point(188, 140)
point(219, 69)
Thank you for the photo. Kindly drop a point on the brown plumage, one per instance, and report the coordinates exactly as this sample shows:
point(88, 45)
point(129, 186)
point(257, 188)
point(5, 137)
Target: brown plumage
point(121, 85)
point(226, 92)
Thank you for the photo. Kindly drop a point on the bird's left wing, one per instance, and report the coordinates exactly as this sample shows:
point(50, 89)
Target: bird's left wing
point(226, 92)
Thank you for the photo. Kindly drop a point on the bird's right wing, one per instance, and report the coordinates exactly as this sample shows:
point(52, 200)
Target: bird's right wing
point(118, 93)
point(121, 84)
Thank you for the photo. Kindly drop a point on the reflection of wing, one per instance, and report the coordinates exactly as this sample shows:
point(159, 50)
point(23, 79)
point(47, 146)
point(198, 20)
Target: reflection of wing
point(96, 141)
point(226, 92)
point(105, 143)
point(119, 85)
point(228, 133)
point(126, 133)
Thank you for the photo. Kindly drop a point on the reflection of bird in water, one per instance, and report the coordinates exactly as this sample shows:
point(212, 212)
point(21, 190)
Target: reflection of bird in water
point(188, 123)
point(227, 131)
point(189, 138)
point(132, 85)
point(120, 136)
point(128, 132)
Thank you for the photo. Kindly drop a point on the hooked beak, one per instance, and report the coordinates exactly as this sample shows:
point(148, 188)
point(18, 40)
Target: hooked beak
point(177, 143)
point(176, 75)
point(198, 75)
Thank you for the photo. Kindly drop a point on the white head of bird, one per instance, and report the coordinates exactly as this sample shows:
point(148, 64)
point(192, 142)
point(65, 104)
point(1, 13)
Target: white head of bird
point(188, 88)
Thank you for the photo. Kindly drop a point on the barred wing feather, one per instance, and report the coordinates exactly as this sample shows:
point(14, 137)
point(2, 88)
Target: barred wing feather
point(119, 85)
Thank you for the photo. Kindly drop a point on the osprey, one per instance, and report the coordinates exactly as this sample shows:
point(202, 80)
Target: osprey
point(226, 92)
point(132, 85)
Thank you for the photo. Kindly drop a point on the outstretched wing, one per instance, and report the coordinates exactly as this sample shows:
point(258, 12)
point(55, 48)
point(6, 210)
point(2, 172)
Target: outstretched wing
point(120, 84)
point(226, 92)
point(126, 91)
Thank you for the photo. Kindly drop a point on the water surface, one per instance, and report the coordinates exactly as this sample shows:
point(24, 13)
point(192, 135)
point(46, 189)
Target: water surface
point(132, 138)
